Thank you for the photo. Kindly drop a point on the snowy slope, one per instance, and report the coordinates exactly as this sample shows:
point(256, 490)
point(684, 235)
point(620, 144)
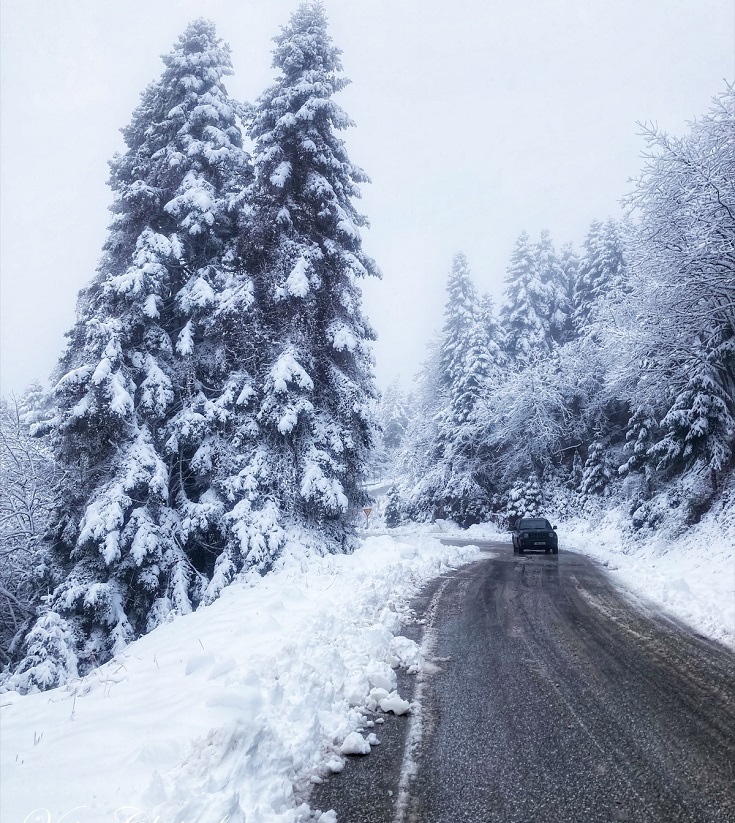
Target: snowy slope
point(690, 576)
point(229, 712)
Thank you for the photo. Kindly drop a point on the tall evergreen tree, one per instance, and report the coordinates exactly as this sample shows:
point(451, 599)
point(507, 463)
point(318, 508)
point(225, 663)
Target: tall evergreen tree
point(306, 256)
point(465, 351)
point(393, 416)
point(553, 278)
point(145, 385)
point(457, 484)
point(570, 263)
point(602, 272)
point(525, 314)
point(493, 333)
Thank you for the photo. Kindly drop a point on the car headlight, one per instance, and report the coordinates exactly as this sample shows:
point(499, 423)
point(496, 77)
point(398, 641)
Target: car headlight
point(524, 534)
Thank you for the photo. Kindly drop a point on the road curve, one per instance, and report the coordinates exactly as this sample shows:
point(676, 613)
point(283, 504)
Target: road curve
point(553, 698)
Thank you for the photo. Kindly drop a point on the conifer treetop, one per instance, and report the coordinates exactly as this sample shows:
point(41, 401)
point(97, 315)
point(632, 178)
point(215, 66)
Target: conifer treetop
point(305, 179)
point(304, 45)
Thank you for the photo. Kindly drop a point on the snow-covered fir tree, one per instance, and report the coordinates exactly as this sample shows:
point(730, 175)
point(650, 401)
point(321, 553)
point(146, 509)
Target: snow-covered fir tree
point(146, 384)
point(315, 415)
point(490, 336)
point(458, 484)
point(640, 437)
point(554, 279)
point(525, 313)
point(49, 657)
point(597, 473)
point(393, 416)
point(393, 508)
point(602, 272)
point(421, 448)
point(466, 345)
point(699, 425)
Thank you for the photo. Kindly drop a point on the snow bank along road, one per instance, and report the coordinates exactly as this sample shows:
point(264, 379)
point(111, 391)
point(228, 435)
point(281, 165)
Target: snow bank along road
point(553, 698)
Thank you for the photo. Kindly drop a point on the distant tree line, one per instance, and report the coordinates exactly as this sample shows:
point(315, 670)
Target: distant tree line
point(608, 372)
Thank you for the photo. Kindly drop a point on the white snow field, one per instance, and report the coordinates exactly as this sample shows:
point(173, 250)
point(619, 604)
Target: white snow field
point(228, 713)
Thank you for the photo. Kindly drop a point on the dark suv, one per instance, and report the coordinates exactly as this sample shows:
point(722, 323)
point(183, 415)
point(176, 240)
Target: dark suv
point(534, 533)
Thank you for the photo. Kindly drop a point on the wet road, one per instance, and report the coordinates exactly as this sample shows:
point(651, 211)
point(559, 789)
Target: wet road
point(552, 699)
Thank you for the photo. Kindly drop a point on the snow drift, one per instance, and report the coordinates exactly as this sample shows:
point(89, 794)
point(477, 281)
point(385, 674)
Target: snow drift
point(230, 712)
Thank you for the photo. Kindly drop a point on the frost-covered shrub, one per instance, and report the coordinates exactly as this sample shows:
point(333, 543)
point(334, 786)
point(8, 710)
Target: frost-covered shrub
point(525, 499)
point(29, 485)
point(49, 657)
point(393, 508)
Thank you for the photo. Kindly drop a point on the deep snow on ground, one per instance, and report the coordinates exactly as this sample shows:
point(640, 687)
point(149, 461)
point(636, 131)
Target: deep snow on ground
point(228, 713)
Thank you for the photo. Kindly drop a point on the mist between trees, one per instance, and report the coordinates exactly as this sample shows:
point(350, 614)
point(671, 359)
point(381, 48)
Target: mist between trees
point(215, 409)
point(608, 373)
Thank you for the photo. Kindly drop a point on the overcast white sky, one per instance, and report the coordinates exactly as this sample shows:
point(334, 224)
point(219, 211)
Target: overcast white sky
point(476, 120)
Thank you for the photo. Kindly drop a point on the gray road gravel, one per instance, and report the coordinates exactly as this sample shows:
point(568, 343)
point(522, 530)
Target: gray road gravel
point(554, 700)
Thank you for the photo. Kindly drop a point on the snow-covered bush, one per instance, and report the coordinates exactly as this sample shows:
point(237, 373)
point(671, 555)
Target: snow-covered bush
point(29, 485)
point(49, 657)
point(525, 499)
point(393, 508)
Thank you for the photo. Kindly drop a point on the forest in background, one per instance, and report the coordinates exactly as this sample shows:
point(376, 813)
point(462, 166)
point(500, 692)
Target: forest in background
point(215, 409)
point(607, 373)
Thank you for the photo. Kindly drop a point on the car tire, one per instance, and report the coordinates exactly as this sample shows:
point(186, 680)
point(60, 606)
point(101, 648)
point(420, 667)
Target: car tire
point(555, 550)
point(520, 550)
point(547, 550)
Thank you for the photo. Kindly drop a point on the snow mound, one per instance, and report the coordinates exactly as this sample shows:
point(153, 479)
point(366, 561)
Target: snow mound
point(230, 712)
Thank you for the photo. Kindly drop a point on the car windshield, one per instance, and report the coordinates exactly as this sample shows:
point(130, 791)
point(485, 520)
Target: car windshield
point(534, 523)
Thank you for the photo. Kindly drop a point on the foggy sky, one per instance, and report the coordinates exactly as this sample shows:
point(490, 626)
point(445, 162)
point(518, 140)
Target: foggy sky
point(475, 120)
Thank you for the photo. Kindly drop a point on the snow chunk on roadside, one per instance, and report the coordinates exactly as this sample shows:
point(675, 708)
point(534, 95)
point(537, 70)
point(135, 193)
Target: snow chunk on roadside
point(354, 743)
point(382, 676)
point(394, 703)
point(407, 652)
point(335, 765)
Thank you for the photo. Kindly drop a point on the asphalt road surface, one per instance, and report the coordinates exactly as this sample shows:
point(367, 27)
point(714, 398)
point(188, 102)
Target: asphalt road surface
point(549, 697)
